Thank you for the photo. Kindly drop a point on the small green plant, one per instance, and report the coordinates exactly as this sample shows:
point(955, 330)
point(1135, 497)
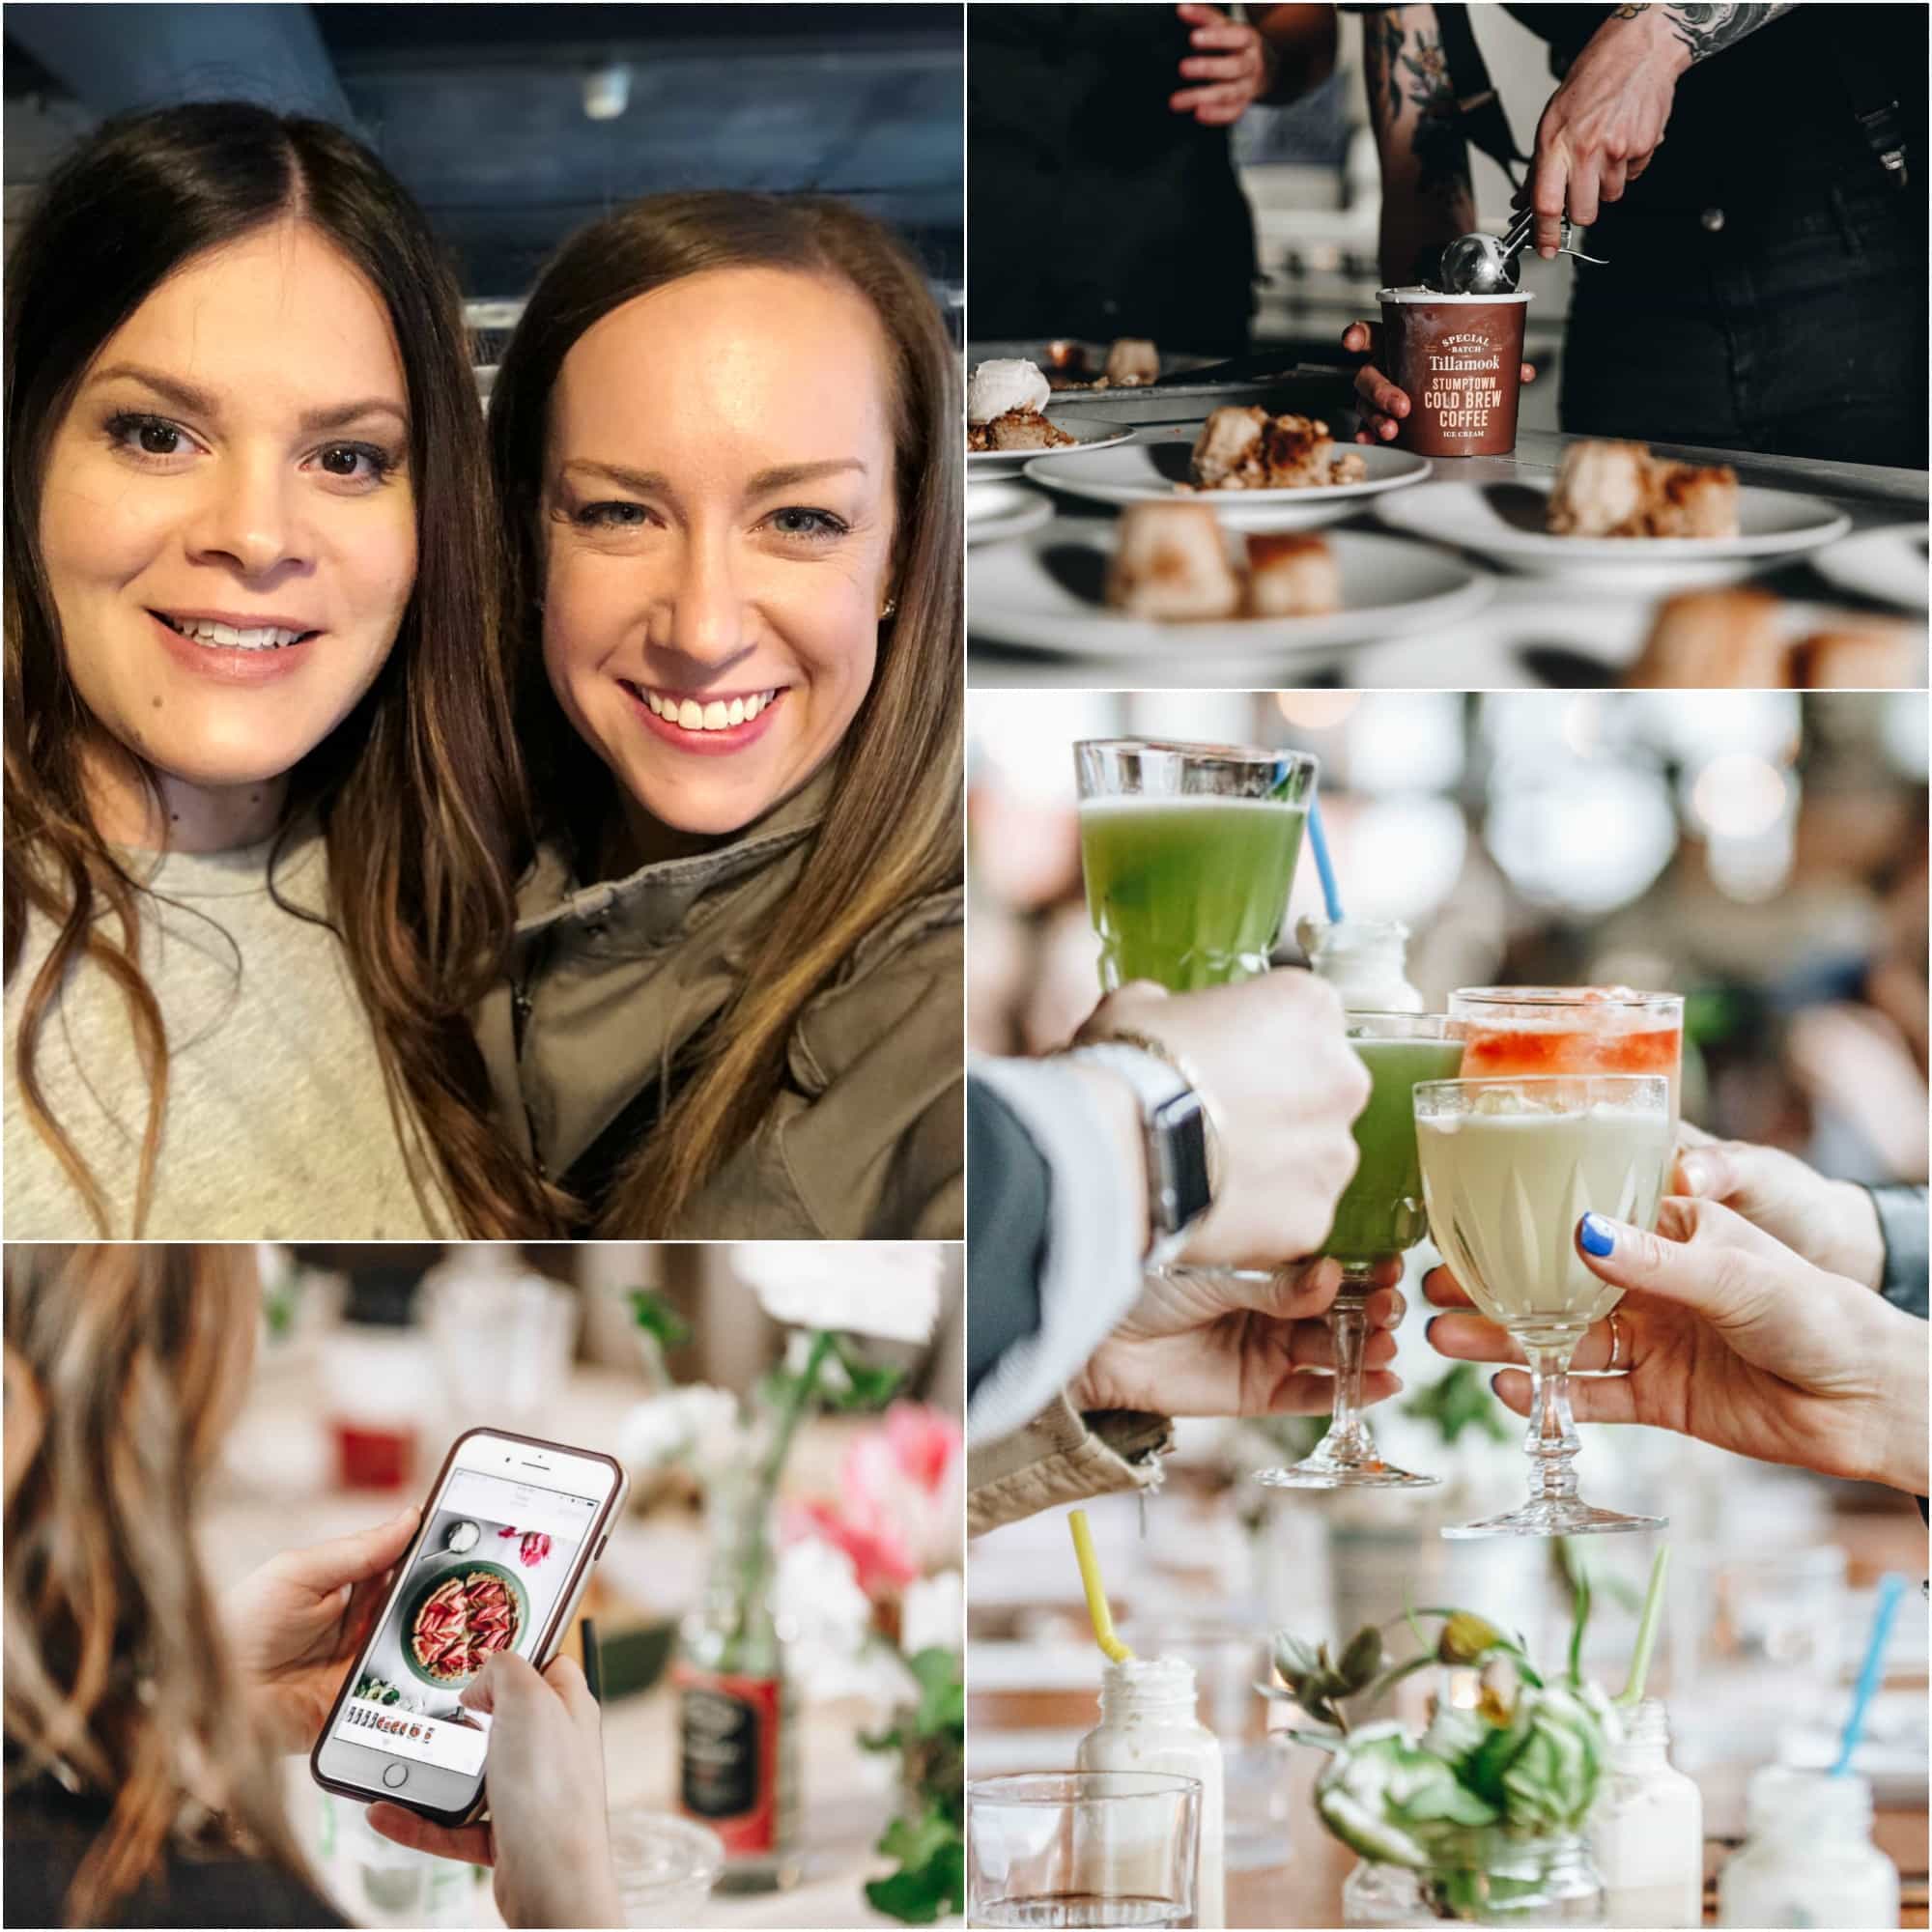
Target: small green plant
point(1524, 1762)
point(926, 1840)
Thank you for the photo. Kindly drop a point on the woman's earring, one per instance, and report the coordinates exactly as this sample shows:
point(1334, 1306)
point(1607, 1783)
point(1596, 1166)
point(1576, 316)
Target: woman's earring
point(892, 605)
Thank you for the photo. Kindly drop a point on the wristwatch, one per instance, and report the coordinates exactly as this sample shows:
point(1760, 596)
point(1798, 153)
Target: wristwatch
point(1174, 1123)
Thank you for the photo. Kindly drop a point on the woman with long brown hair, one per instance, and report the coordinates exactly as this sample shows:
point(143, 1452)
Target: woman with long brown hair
point(725, 439)
point(261, 805)
point(144, 1715)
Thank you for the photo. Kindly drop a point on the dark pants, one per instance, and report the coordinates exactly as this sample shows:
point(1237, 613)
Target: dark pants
point(1798, 331)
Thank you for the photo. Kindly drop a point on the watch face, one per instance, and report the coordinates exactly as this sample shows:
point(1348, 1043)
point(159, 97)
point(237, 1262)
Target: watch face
point(1180, 1132)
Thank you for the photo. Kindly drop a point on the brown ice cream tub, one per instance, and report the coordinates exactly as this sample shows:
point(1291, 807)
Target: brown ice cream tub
point(1459, 360)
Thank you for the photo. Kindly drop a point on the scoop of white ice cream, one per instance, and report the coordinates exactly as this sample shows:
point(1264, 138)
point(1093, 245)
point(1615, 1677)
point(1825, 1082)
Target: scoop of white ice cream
point(999, 387)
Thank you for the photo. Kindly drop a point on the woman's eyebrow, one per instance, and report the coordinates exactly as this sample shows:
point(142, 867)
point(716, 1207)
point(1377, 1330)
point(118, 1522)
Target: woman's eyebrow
point(785, 476)
point(199, 402)
point(183, 395)
point(644, 481)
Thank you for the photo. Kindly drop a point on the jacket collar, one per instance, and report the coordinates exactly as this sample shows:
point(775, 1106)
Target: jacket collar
point(551, 898)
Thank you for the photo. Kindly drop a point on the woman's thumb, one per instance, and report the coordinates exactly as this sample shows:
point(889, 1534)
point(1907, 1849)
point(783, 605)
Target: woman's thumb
point(1719, 1279)
point(1627, 1256)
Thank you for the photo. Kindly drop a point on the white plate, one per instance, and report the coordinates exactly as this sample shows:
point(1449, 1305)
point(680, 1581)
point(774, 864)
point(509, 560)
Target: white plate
point(999, 510)
point(1503, 521)
point(1046, 594)
point(1086, 431)
point(1147, 470)
point(1888, 564)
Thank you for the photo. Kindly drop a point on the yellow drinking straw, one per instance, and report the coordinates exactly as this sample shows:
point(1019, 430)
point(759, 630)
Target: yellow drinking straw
point(1096, 1593)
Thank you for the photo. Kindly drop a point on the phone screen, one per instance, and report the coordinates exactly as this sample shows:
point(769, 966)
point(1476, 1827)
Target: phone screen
point(496, 1556)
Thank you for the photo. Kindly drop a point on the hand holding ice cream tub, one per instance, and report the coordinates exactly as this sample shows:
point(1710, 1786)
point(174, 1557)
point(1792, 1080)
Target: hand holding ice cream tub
point(1453, 369)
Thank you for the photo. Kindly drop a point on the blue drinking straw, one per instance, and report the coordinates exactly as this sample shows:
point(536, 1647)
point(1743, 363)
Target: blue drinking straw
point(1318, 839)
point(1890, 1587)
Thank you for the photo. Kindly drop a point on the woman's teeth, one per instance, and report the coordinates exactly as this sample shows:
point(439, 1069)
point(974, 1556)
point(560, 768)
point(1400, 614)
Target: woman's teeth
point(717, 715)
point(228, 637)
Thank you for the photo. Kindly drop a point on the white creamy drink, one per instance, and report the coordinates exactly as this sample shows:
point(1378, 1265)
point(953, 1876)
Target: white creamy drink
point(1506, 1184)
point(1148, 1722)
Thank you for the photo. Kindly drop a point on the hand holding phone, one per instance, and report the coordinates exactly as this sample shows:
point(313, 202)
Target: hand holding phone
point(507, 1543)
point(299, 1621)
point(548, 1834)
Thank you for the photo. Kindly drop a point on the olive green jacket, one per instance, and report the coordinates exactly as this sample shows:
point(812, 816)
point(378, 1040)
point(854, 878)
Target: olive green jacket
point(608, 983)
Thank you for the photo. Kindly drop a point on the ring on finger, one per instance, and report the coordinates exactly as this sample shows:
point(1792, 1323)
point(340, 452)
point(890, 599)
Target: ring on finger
point(1616, 1360)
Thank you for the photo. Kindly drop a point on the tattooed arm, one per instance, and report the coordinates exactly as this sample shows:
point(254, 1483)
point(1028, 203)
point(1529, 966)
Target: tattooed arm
point(1607, 119)
point(1709, 30)
point(1426, 195)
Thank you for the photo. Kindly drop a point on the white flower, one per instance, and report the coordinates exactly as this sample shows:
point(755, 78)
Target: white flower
point(933, 1614)
point(885, 1289)
point(825, 1616)
point(696, 1425)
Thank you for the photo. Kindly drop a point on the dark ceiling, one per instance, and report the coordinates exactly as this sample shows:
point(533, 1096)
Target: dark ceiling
point(481, 110)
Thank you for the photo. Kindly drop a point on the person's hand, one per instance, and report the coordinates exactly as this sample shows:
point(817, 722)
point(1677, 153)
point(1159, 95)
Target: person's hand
point(1730, 1337)
point(1600, 129)
point(1281, 1086)
point(298, 1622)
point(548, 1834)
point(1232, 64)
point(1832, 1223)
point(1221, 1345)
point(1383, 405)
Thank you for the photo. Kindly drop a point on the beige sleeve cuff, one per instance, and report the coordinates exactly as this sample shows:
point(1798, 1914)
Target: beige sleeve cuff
point(1063, 1457)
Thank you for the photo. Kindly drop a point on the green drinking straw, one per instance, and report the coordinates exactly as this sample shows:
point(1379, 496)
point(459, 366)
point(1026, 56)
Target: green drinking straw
point(1631, 1695)
point(1890, 1587)
point(1319, 839)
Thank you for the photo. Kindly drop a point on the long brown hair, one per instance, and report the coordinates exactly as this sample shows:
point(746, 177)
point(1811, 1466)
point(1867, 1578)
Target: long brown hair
point(894, 831)
point(123, 1365)
point(419, 792)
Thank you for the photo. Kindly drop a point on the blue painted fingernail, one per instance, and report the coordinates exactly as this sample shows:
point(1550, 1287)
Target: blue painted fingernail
point(1598, 1239)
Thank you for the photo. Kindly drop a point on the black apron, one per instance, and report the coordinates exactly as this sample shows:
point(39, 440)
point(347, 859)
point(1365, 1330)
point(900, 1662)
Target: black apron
point(1095, 209)
point(1766, 288)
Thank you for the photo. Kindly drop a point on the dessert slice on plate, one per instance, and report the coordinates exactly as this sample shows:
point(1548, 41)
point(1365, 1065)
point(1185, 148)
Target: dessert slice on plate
point(1292, 574)
point(1005, 405)
point(1249, 449)
point(1606, 489)
point(1171, 564)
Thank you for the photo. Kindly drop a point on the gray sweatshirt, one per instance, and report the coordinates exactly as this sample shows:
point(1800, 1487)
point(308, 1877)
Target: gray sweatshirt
point(277, 1126)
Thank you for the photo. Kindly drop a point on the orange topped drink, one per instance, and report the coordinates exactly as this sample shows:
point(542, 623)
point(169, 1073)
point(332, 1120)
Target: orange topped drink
point(1519, 1031)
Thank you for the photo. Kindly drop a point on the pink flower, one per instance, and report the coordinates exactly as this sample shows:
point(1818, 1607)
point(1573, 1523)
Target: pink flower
point(897, 1512)
point(880, 1559)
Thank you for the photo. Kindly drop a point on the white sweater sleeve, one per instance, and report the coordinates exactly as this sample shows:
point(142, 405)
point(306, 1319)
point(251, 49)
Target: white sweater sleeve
point(1091, 1261)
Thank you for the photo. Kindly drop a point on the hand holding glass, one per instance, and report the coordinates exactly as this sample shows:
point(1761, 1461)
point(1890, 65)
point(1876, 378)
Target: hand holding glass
point(1509, 1167)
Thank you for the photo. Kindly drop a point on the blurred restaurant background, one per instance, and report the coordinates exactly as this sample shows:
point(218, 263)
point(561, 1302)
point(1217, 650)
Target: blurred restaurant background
point(373, 1359)
point(1762, 853)
point(513, 125)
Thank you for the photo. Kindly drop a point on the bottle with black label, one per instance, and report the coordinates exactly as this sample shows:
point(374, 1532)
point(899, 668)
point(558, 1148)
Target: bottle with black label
point(737, 1732)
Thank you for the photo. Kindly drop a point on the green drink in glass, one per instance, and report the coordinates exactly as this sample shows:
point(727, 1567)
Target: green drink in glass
point(1379, 1217)
point(1188, 852)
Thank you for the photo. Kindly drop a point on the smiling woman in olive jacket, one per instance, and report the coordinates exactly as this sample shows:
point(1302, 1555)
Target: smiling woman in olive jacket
point(726, 431)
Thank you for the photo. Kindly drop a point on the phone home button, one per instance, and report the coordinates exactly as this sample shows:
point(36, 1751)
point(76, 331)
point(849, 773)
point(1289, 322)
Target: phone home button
point(393, 1774)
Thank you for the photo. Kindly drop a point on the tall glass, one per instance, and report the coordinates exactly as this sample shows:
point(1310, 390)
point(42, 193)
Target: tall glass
point(1082, 1848)
point(1379, 1217)
point(1525, 1030)
point(1188, 852)
point(1509, 1167)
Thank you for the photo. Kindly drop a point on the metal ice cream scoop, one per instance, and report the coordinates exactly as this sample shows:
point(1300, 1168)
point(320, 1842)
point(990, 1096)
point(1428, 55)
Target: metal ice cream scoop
point(1481, 264)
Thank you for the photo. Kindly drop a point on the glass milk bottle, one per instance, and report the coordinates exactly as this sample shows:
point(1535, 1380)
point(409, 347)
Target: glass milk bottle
point(1807, 1857)
point(1366, 960)
point(1148, 1722)
point(1647, 1831)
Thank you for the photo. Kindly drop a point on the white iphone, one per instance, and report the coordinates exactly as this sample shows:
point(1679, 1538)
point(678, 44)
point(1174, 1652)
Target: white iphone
point(505, 1549)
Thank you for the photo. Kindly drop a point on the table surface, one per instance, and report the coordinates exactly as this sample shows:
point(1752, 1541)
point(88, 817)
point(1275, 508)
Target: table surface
point(276, 1490)
point(1305, 1889)
point(1490, 650)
